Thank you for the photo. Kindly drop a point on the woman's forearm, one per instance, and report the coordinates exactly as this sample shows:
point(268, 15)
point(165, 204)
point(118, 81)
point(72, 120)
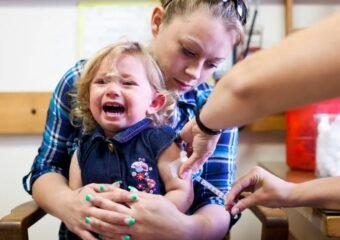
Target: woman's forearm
point(53, 202)
point(300, 69)
point(322, 192)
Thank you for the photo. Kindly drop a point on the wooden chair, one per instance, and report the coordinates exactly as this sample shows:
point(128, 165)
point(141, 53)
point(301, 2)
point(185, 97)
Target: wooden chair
point(14, 226)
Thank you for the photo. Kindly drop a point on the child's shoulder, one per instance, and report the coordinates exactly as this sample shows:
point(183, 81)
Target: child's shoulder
point(155, 134)
point(158, 137)
point(163, 129)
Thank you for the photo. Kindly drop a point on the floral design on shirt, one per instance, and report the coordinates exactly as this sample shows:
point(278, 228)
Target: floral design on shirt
point(140, 171)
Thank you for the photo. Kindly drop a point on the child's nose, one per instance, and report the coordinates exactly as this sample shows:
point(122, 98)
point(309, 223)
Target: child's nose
point(113, 90)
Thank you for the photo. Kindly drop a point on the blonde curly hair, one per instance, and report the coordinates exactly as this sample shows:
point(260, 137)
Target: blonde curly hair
point(81, 113)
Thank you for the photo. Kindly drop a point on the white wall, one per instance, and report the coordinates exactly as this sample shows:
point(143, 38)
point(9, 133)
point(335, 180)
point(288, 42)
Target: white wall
point(17, 155)
point(37, 45)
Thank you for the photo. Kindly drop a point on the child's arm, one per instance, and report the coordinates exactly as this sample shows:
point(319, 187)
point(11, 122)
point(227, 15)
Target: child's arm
point(74, 174)
point(178, 191)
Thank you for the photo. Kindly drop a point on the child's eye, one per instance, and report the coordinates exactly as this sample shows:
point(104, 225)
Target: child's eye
point(99, 81)
point(187, 52)
point(129, 83)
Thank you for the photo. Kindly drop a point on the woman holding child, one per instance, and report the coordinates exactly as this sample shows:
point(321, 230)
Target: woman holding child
point(190, 38)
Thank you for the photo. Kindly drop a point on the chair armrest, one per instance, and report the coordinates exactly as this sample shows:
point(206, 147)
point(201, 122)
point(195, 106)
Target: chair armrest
point(15, 225)
point(274, 222)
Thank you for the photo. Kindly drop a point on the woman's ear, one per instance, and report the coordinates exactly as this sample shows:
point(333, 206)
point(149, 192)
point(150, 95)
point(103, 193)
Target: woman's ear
point(156, 20)
point(158, 102)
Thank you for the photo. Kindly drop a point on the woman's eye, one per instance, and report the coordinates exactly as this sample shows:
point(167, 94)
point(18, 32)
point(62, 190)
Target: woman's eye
point(187, 52)
point(211, 65)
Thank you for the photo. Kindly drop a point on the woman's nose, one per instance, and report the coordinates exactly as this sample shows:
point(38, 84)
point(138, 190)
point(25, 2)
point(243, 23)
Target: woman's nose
point(194, 70)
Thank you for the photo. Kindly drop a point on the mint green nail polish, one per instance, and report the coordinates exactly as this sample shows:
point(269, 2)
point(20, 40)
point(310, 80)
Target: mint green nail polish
point(126, 237)
point(87, 220)
point(133, 197)
point(118, 182)
point(131, 221)
point(88, 197)
point(131, 188)
point(102, 188)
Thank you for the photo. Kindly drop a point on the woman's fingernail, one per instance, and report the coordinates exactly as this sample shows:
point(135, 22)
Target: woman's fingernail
point(132, 188)
point(235, 211)
point(88, 197)
point(126, 237)
point(133, 197)
point(102, 188)
point(87, 220)
point(130, 221)
point(117, 182)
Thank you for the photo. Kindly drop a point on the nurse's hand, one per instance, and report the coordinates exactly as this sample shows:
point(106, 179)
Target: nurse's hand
point(203, 146)
point(265, 189)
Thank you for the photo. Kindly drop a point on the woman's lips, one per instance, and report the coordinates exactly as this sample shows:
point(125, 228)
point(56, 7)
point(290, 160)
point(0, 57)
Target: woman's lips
point(183, 84)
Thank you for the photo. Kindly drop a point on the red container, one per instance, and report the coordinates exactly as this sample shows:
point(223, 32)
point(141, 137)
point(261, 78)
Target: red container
point(301, 133)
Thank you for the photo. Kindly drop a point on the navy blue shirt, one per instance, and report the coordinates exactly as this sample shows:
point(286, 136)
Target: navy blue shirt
point(129, 156)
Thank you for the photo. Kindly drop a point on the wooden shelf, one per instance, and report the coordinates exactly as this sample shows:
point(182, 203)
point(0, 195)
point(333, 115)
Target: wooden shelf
point(23, 112)
point(276, 122)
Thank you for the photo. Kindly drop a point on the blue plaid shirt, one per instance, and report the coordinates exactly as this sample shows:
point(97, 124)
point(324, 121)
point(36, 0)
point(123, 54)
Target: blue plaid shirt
point(60, 140)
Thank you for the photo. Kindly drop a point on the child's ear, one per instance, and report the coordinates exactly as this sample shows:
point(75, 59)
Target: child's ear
point(158, 102)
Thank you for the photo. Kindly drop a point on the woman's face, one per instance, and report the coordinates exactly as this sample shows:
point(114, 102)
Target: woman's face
point(189, 48)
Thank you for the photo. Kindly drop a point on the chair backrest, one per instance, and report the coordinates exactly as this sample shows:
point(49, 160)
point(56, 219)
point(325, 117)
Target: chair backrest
point(14, 226)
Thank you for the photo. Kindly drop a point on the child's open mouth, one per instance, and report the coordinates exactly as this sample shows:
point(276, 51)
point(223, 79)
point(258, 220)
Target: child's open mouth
point(113, 108)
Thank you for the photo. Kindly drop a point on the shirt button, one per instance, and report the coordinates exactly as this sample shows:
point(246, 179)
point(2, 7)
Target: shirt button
point(110, 147)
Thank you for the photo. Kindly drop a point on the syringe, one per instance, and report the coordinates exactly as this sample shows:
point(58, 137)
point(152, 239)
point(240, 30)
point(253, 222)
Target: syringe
point(174, 166)
point(211, 187)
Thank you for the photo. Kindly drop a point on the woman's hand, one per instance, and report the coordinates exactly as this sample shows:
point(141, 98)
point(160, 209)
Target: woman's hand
point(101, 205)
point(203, 146)
point(266, 189)
point(155, 217)
point(158, 218)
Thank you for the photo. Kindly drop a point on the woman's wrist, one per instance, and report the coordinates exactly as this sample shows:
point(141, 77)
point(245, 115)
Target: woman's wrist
point(204, 128)
point(290, 195)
